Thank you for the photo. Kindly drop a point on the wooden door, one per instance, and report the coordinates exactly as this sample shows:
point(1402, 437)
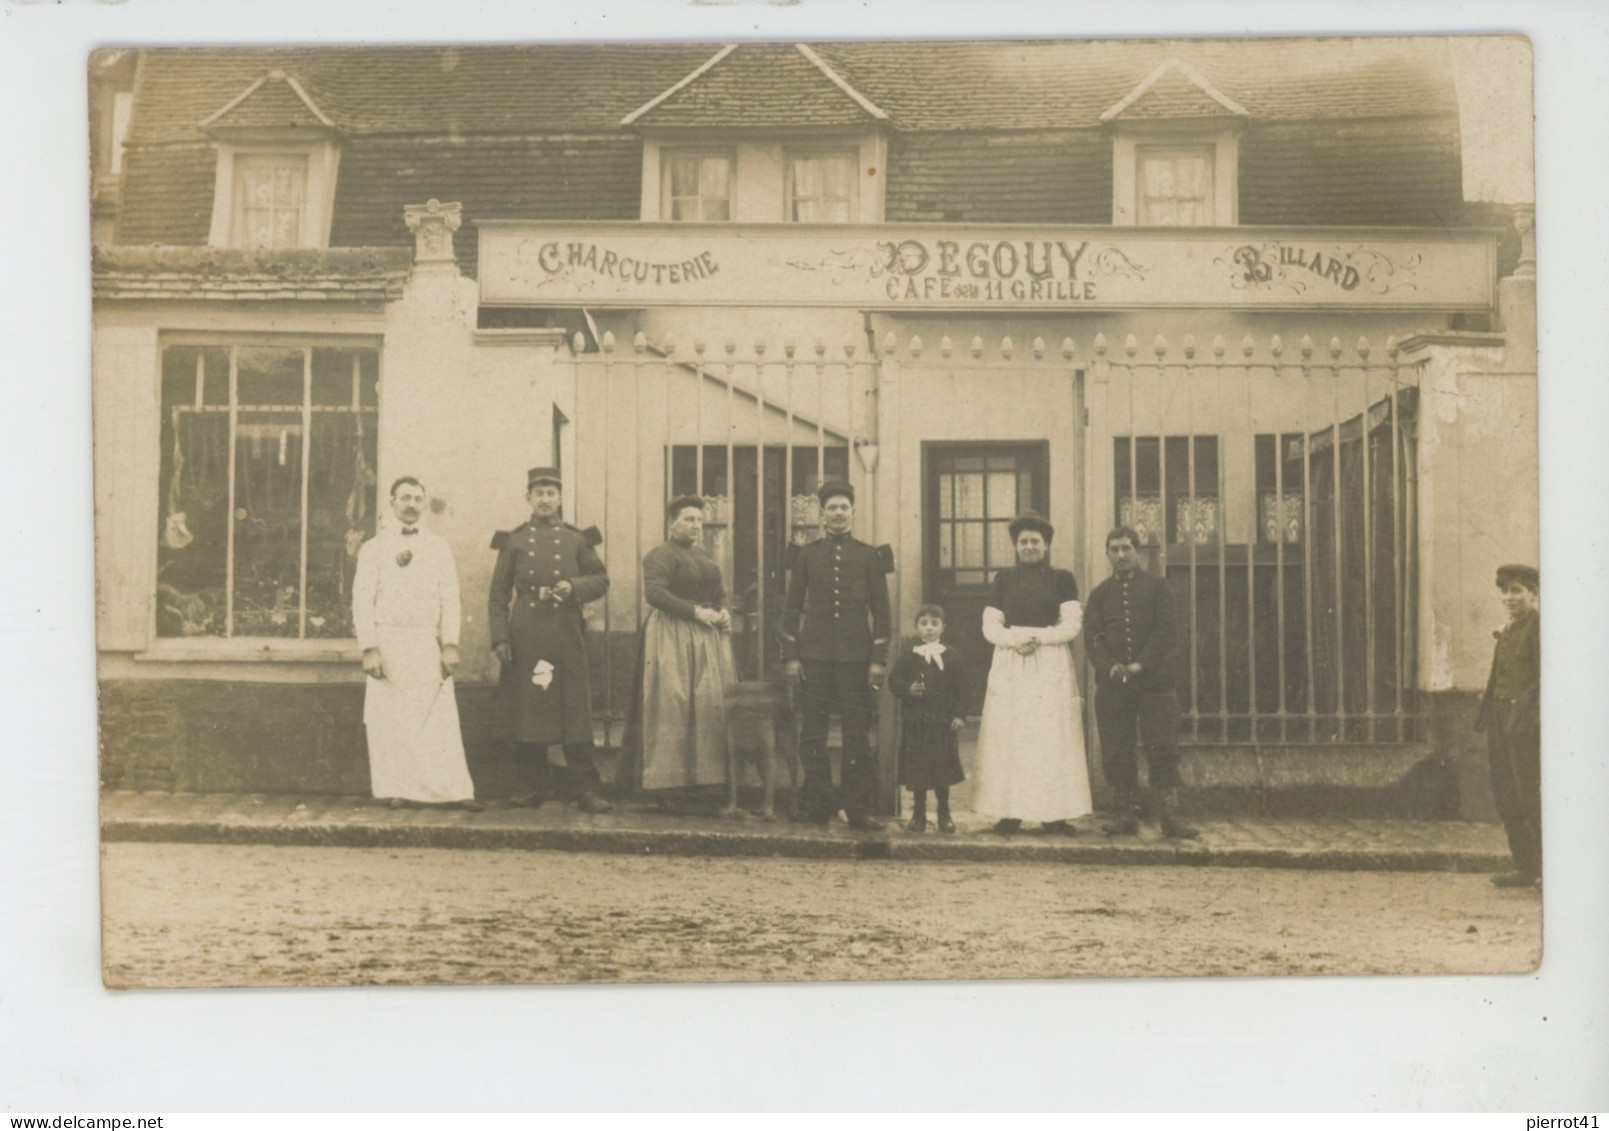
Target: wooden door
point(972, 492)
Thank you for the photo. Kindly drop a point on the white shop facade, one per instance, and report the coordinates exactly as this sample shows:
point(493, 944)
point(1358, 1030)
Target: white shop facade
point(1285, 415)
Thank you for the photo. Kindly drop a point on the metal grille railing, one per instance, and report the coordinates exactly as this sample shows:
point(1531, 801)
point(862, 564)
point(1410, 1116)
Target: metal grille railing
point(753, 435)
point(1277, 495)
point(1276, 492)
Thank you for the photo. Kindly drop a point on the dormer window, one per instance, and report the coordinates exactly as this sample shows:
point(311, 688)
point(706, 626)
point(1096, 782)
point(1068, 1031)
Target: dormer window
point(762, 134)
point(821, 186)
point(697, 186)
point(1175, 152)
point(277, 161)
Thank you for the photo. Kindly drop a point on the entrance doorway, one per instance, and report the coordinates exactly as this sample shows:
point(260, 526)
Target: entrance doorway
point(972, 492)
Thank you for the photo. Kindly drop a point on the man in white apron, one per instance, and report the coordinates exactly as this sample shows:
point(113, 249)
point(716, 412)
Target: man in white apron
point(405, 611)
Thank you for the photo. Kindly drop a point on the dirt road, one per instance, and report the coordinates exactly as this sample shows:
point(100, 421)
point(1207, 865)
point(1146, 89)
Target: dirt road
point(207, 915)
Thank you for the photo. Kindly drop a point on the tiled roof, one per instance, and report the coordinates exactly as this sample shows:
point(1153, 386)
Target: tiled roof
point(504, 179)
point(1046, 177)
point(1062, 84)
point(1337, 131)
point(217, 275)
point(757, 86)
point(1174, 90)
point(1354, 173)
point(578, 88)
point(432, 91)
point(274, 101)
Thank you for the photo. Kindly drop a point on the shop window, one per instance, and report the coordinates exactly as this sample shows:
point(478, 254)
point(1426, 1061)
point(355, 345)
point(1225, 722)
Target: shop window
point(1175, 186)
point(268, 488)
point(822, 187)
point(1167, 488)
point(697, 186)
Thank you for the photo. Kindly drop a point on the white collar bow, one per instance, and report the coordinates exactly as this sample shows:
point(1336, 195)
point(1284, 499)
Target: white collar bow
point(933, 653)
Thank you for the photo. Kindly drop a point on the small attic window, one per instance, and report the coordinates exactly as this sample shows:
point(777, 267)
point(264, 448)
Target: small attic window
point(278, 157)
point(1174, 185)
point(697, 186)
point(822, 188)
point(1176, 151)
point(270, 199)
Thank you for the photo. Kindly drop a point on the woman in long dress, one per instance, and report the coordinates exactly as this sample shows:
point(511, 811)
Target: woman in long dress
point(1031, 764)
point(686, 658)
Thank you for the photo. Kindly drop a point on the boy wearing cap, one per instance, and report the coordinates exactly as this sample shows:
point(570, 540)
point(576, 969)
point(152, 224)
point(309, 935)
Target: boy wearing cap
point(546, 571)
point(1511, 716)
point(835, 631)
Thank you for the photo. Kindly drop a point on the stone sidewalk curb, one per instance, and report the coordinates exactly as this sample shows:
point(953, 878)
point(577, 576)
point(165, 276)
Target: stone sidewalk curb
point(1393, 846)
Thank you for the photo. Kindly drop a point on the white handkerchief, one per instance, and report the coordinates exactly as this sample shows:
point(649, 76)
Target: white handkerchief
point(542, 674)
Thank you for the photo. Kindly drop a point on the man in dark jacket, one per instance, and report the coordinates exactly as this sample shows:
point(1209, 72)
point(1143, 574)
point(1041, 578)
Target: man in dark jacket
point(1132, 633)
point(835, 640)
point(546, 570)
point(1511, 716)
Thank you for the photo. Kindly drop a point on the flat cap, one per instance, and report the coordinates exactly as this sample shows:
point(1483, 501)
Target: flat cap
point(1524, 574)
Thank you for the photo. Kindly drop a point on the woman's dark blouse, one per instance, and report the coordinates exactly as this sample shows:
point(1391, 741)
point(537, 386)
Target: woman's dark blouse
point(1031, 596)
point(678, 579)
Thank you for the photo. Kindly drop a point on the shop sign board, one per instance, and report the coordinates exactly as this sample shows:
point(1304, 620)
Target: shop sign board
point(897, 267)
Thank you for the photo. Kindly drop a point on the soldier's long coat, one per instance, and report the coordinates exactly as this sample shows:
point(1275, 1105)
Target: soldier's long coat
point(530, 558)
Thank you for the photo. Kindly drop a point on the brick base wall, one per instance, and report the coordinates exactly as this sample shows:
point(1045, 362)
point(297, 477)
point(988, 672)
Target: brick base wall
point(207, 736)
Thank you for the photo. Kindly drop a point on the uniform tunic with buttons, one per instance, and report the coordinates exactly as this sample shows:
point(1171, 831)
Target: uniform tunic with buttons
point(836, 621)
point(1130, 618)
point(836, 582)
point(535, 556)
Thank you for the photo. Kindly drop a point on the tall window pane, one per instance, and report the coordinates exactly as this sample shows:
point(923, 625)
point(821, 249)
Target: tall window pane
point(268, 492)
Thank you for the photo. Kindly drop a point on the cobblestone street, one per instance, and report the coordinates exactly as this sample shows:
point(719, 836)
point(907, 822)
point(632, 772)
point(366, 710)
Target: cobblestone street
point(207, 915)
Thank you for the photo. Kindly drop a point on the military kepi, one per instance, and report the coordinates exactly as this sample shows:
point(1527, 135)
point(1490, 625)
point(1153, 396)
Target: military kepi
point(543, 475)
point(1524, 574)
point(834, 488)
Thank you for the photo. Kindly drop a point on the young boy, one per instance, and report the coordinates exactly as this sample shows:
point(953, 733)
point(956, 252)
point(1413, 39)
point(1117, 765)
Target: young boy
point(1511, 716)
point(932, 693)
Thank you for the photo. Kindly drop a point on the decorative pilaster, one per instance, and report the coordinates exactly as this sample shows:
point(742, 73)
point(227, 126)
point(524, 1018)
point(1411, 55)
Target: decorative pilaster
point(433, 224)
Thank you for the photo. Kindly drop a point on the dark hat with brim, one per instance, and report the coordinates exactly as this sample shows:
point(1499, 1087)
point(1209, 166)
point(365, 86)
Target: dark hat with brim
point(543, 475)
point(833, 488)
point(1524, 574)
point(1031, 520)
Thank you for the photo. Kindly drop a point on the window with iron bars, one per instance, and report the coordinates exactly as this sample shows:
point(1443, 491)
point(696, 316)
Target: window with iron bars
point(748, 531)
point(268, 484)
point(1304, 633)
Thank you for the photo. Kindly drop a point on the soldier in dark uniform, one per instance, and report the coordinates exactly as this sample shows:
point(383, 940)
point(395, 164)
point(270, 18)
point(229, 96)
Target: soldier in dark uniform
point(1511, 716)
point(835, 632)
point(1132, 633)
point(546, 570)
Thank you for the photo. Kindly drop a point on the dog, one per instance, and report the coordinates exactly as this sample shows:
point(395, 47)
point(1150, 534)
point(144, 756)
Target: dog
point(760, 731)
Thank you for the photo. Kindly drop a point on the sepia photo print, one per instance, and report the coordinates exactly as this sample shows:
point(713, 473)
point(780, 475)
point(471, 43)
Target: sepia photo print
point(796, 511)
